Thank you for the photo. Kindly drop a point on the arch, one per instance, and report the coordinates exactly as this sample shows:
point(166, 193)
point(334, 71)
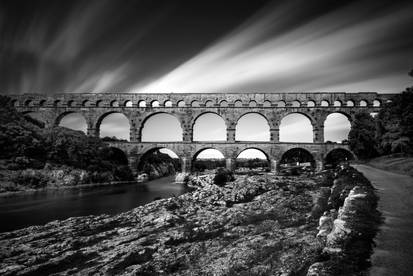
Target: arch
point(167, 103)
point(350, 103)
point(161, 127)
point(336, 156)
point(266, 104)
point(296, 127)
point(252, 158)
point(28, 103)
point(337, 103)
point(311, 103)
point(238, 103)
point(15, 103)
point(281, 104)
point(336, 127)
point(114, 103)
point(207, 159)
point(57, 103)
point(42, 103)
point(157, 155)
point(72, 120)
point(155, 103)
point(223, 103)
point(128, 103)
point(142, 103)
point(295, 103)
point(114, 125)
point(209, 126)
point(71, 103)
point(252, 126)
point(252, 103)
point(242, 151)
point(376, 103)
point(363, 103)
point(324, 103)
point(297, 158)
point(86, 103)
point(195, 103)
point(210, 155)
point(209, 103)
point(99, 103)
point(181, 103)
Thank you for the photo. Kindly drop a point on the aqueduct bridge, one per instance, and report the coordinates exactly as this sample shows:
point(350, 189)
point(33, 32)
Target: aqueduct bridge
point(189, 106)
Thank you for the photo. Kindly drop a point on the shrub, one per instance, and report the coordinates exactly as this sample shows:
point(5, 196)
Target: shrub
point(222, 176)
point(31, 178)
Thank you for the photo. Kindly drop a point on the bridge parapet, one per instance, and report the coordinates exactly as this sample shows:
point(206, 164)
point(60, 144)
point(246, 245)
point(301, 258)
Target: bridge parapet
point(199, 99)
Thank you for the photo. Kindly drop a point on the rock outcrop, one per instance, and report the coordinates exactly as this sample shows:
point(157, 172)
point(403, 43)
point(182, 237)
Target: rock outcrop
point(254, 226)
point(347, 229)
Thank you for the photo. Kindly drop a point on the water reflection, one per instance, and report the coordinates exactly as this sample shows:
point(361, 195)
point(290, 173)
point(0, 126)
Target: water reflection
point(44, 206)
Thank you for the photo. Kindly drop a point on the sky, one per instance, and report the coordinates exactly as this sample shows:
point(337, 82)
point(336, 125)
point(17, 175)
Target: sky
point(135, 46)
point(49, 46)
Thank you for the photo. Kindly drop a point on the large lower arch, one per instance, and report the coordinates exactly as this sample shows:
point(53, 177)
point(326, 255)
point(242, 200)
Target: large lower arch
point(72, 120)
point(209, 126)
point(114, 125)
point(336, 127)
point(157, 162)
point(161, 127)
point(252, 126)
point(296, 127)
point(337, 156)
point(297, 158)
point(253, 159)
point(207, 159)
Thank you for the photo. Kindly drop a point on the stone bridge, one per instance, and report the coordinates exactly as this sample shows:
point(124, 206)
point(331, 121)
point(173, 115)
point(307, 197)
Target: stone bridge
point(189, 106)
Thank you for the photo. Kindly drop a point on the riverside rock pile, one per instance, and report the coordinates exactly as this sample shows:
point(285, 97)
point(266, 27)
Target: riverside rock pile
point(256, 225)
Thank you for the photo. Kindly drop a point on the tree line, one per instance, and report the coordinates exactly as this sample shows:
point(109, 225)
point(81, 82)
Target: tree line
point(389, 132)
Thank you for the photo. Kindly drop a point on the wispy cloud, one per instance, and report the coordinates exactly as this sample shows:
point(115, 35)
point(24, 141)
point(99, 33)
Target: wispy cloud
point(333, 52)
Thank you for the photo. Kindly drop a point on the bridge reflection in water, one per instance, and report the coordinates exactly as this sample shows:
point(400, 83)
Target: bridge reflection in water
point(188, 107)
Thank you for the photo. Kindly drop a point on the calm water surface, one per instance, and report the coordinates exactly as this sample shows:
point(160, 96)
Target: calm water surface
point(41, 207)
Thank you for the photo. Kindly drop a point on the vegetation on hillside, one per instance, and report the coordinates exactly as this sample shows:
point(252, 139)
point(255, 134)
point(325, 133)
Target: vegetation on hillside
point(390, 132)
point(29, 152)
point(362, 138)
point(157, 164)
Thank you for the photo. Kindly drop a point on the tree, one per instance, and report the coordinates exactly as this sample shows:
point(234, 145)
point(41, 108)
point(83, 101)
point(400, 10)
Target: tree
point(362, 139)
point(394, 124)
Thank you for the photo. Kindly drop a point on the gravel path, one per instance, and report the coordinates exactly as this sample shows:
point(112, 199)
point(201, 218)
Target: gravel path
point(394, 252)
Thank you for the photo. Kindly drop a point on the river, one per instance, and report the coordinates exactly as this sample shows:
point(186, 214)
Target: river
point(41, 207)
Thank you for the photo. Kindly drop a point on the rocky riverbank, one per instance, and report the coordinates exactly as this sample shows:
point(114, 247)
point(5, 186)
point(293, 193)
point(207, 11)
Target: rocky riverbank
point(256, 225)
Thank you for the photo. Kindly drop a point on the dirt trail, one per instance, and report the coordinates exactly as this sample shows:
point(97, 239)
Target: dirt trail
point(394, 252)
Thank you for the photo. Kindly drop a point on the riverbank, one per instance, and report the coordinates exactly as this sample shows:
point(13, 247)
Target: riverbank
point(29, 191)
point(256, 225)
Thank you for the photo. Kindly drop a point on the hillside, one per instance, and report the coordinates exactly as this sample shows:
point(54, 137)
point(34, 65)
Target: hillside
point(33, 157)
